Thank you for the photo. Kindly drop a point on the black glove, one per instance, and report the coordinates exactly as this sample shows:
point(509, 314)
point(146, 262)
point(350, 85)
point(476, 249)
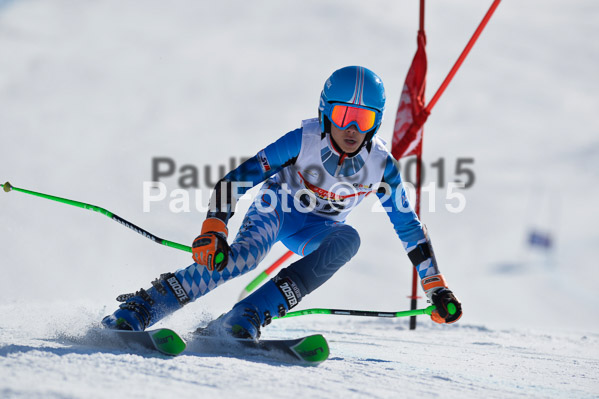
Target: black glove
point(449, 308)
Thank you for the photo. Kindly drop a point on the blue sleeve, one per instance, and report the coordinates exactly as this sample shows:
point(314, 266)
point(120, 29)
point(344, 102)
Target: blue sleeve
point(269, 161)
point(395, 201)
point(255, 170)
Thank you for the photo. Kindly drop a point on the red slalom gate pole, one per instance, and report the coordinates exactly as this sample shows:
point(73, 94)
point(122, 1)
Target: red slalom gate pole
point(414, 297)
point(424, 115)
point(462, 56)
point(264, 275)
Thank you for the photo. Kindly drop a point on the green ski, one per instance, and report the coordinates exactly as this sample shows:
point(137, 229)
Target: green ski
point(163, 340)
point(309, 350)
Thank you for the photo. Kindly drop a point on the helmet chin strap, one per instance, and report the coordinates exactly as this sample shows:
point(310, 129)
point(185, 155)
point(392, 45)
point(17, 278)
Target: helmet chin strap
point(335, 145)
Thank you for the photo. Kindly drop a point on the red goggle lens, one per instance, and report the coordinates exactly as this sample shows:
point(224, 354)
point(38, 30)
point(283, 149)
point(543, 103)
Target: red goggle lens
point(343, 115)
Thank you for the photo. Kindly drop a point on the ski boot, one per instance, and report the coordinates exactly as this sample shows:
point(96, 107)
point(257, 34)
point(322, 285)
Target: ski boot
point(274, 298)
point(146, 307)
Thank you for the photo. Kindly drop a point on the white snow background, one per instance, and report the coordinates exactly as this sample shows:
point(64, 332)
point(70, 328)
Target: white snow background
point(91, 91)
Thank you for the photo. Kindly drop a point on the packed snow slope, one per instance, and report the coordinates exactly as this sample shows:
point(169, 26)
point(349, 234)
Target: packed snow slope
point(370, 359)
point(91, 92)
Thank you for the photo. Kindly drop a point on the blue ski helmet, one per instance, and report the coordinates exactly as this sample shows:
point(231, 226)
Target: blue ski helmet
point(355, 86)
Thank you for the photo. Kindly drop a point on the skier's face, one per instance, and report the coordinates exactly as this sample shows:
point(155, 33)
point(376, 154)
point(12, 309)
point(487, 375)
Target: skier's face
point(348, 140)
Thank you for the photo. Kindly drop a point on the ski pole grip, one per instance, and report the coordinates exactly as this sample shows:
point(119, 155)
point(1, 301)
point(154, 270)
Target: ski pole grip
point(451, 308)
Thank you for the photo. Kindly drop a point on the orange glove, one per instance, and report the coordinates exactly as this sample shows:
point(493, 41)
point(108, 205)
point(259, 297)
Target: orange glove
point(210, 248)
point(449, 308)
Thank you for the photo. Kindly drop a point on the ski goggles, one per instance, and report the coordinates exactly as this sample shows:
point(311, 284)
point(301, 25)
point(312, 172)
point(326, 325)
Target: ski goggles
point(343, 116)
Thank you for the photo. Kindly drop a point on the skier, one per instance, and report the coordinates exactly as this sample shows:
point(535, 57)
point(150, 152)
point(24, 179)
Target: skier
point(313, 177)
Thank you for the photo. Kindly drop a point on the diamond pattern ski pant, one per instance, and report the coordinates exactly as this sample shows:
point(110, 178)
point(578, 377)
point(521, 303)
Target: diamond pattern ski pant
point(325, 245)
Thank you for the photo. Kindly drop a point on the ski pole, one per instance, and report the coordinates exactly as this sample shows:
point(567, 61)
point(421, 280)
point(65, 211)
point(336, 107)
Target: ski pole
point(262, 276)
point(9, 187)
point(370, 313)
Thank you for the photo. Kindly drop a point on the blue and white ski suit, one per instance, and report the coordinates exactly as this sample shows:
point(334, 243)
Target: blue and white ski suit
point(309, 189)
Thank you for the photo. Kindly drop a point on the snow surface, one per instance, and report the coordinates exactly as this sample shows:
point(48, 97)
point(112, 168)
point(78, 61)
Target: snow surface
point(370, 358)
point(91, 91)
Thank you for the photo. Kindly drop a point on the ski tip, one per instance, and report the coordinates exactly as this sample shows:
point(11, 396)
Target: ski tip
point(313, 349)
point(167, 341)
point(7, 187)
